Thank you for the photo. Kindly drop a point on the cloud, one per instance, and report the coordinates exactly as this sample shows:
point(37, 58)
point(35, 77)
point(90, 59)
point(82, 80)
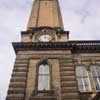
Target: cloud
point(82, 18)
point(13, 17)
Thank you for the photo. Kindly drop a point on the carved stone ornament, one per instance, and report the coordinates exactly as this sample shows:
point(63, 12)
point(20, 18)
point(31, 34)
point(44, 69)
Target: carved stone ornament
point(45, 35)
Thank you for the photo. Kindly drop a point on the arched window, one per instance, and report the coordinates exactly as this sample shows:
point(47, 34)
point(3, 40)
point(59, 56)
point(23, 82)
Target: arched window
point(82, 79)
point(43, 77)
point(95, 69)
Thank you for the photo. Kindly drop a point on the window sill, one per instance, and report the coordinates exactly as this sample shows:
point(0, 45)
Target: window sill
point(97, 91)
point(44, 92)
point(87, 92)
point(95, 95)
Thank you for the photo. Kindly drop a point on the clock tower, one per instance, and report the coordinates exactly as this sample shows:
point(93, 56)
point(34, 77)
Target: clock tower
point(36, 72)
point(45, 23)
point(50, 67)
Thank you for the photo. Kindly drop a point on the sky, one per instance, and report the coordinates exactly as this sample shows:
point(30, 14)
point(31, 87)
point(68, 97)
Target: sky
point(80, 17)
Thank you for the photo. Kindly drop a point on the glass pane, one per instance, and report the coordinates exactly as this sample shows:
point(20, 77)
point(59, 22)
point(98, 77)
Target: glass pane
point(85, 80)
point(83, 84)
point(98, 70)
point(96, 75)
point(82, 78)
point(86, 88)
point(79, 81)
point(44, 69)
point(80, 87)
point(44, 83)
point(97, 83)
point(44, 77)
point(94, 71)
point(81, 71)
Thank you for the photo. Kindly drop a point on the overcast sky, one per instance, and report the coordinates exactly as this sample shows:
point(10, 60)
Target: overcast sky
point(81, 18)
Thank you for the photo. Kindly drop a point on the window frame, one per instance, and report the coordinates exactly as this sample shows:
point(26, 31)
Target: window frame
point(37, 75)
point(88, 79)
point(94, 85)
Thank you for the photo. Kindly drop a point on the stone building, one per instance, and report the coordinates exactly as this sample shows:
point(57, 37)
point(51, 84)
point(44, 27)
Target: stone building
point(48, 65)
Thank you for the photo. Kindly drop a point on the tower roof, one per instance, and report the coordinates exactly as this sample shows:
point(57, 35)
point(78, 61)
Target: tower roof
point(45, 13)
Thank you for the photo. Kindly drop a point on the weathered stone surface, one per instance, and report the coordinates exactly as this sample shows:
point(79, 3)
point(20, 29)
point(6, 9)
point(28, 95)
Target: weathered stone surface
point(31, 79)
point(47, 13)
point(63, 73)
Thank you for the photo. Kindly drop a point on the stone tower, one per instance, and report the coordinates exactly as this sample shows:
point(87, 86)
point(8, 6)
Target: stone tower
point(45, 13)
point(50, 67)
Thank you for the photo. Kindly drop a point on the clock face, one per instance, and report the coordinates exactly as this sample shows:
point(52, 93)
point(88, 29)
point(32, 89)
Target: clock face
point(45, 38)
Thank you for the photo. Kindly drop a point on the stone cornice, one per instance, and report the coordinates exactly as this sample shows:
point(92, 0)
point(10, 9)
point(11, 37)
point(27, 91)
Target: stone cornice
point(86, 46)
point(74, 46)
point(40, 46)
point(33, 30)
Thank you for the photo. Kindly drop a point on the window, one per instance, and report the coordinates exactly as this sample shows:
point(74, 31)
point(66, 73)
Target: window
point(43, 77)
point(82, 79)
point(95, 69)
